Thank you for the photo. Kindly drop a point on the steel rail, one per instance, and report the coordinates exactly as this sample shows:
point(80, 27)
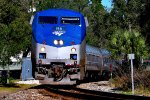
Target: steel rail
point(77, 93)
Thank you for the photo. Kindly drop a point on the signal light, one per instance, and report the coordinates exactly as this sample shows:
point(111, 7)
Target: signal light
point(72, 43)
point(73, 49)
point(43, 49)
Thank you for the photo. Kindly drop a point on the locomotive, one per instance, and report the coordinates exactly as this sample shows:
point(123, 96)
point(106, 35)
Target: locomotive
point(59, 50)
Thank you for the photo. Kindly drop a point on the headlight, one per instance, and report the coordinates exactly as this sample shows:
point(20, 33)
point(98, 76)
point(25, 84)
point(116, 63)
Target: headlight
point(55, 42)
point(73, 49)
point(61, 42)
point(42, 49)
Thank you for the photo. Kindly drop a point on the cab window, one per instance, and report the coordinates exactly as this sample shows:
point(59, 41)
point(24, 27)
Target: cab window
point(47, 20)
point(70, 20)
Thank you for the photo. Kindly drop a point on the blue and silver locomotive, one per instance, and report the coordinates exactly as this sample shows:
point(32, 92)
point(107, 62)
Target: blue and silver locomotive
point(58, 45)
point(59, 51)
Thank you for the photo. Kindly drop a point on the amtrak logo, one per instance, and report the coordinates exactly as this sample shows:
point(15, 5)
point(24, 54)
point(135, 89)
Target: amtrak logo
point(58, 31)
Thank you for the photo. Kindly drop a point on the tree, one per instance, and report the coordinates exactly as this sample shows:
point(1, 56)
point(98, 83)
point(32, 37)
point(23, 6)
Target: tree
point(126, 13)
point(99, 24)
point(77, 5)
point(145, 19)
point(15, 34)
point(15, 31)
point(126, 42)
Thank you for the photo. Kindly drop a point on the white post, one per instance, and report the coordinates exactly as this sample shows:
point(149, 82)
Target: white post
point(131, 57)
point(132, 77)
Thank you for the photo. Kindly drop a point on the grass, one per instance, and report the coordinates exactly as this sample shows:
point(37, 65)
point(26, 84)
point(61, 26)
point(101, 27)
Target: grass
point(138, 91)
point(14, 87)
point(141, 92)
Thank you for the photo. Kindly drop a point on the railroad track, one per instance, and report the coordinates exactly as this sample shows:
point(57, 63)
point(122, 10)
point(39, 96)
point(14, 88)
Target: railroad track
point(82, 94)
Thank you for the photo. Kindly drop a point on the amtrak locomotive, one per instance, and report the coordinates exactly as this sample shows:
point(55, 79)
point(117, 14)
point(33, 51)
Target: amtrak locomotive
point(58, 45)
point(59, 50)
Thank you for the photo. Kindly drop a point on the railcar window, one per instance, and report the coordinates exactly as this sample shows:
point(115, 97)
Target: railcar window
point(70, 20)
point(47, 20)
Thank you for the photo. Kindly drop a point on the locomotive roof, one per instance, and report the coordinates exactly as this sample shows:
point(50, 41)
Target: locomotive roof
point(96, 51)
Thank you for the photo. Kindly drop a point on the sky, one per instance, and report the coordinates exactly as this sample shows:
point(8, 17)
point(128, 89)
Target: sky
point(107, 3)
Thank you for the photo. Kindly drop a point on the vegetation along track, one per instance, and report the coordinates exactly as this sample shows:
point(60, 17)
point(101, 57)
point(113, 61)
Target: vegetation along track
point(68, 91)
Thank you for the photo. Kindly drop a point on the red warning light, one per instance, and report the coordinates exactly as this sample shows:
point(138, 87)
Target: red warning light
point(72, 43)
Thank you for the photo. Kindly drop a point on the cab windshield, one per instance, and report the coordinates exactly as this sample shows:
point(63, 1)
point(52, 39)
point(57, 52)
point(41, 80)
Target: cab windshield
point(47, 20)
point(70, 20)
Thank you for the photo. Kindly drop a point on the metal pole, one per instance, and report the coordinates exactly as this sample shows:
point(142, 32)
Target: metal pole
point(132, 77)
